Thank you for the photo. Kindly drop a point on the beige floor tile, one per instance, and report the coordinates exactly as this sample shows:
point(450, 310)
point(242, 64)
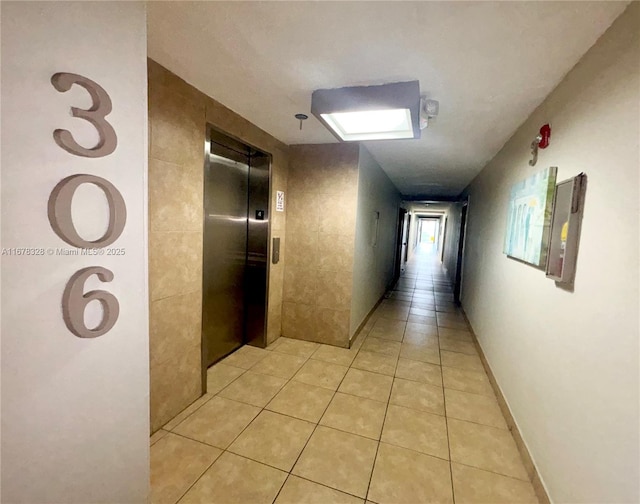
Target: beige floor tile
point(245, 357)
point(176, 463)
point(474, 408)
point(279, 364)
point(273, 439)
point(419, 396)
point(452, 316)
point(485, 448)
point(253, 388)
point(175, 421)
point(391, 325)
point(381, 346)
point(395, 303)
point(337, 459)
point(452, 323)
point(424, 340)
point(366, 384)
point(468, 381)
point(393, 312)
point(300, 491)
point(375, 362)
point(423, 312)
point(218, 422)
point(422, 299)
point(453, 345)
point(273, 344)
point(404, 476)
point(157, 436)
point(321, 374)
point(416, 430)
point(220, 375)
point(387, 334)
point(388, 329)
point(448, 307)
point(335, 355)
point(236, 480)
point(474, 486)
point(401, 295)
point(443, 332)
point(430, 330)
point(301, 400)
point(296, 347)
point(419, 371)
point(421, 319)
point(426, 293)
point(356, 415)
point(420, 353)
point(461, 361)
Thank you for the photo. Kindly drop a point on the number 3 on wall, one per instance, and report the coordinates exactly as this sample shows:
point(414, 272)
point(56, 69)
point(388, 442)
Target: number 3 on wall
point(74, 301)
point(100, 108)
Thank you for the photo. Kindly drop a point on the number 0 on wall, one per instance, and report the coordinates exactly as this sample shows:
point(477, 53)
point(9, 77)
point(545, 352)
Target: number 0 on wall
point(74, 300)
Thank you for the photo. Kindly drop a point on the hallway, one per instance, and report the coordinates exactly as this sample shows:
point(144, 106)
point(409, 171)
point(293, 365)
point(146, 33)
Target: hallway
point(407, 415)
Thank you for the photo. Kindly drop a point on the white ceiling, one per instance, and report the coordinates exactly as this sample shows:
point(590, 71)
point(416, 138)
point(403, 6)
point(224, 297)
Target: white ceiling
point(489, 64)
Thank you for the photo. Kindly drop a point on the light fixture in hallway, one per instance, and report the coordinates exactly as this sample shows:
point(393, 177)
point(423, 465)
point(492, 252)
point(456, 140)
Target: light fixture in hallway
point(301, 117)
point(385, 112)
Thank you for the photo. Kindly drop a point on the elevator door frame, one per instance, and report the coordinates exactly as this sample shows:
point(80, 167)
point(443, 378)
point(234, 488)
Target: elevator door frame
point(231, 142)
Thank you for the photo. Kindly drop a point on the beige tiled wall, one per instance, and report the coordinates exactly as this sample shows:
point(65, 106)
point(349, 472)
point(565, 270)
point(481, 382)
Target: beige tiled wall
point(178, 114)
point(322, 197)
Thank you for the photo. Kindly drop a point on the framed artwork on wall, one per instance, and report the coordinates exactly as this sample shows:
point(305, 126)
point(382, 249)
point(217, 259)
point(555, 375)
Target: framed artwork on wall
point(529, 218)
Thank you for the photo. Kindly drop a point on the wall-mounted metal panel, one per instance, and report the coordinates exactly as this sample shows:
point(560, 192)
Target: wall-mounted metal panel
point(566, 221)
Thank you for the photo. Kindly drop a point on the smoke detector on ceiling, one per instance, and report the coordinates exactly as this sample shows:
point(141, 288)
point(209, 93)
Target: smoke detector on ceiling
point(428, 110)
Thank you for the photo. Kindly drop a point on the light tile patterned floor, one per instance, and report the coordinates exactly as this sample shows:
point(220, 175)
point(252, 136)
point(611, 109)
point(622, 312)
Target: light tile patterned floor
point(406, 416)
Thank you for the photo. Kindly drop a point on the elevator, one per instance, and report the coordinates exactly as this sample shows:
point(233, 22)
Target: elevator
point(235, 246)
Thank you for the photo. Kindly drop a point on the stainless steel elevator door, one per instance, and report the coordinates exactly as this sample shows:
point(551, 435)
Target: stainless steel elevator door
point(257, 250)
point(226, 195)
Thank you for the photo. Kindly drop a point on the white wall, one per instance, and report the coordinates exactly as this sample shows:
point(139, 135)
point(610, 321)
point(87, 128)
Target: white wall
point(567, 362)
point(75, 412)
point(373, 265)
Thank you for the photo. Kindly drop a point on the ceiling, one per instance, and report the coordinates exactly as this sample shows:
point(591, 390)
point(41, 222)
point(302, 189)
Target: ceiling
point(489, 64)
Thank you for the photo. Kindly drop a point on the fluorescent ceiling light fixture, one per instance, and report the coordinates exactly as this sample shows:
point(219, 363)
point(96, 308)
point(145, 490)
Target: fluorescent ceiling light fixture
point(386, 112)
point(371, 124)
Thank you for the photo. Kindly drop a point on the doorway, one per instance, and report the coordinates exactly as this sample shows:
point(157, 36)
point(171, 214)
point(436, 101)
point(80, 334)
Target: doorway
point(457, 286)
point(428, 232)
point(399, 244)
point(235, 246)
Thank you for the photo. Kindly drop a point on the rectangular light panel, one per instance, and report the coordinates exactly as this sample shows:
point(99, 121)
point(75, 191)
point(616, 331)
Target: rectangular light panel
point(371, 124)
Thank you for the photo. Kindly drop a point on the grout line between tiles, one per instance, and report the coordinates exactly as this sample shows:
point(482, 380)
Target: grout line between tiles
point(375, 457)
point(198, 478)
point(314, 429)
point(366, 335)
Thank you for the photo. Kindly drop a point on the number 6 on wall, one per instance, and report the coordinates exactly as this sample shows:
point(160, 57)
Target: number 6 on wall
point(74, 302)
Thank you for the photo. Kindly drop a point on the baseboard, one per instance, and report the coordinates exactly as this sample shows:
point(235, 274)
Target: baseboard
point(366, 319)
point(529, 465)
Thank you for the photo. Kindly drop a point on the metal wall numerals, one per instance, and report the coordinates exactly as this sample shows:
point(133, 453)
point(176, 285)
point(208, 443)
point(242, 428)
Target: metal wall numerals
point(60, 211)
point(74, 300)
point(100, 108)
